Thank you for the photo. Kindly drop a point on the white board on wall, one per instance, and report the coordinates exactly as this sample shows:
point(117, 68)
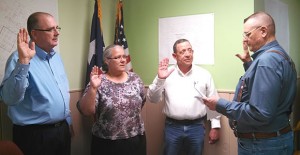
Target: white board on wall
point(13, 16)
point(198, 29)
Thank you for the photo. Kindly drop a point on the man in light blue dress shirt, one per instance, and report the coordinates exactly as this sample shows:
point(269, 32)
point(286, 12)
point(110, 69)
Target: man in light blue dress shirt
point(35, 89)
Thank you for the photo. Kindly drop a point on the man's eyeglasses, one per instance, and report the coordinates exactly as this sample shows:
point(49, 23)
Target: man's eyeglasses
point(247, 34)
point(119, 57)
point(189, 51)
point(52, 29)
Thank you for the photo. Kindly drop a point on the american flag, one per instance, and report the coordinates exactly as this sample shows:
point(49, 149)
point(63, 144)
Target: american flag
point(120, 38)
point(96, 41)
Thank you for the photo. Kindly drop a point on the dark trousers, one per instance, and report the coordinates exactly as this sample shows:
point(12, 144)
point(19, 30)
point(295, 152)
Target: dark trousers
point(131, 146)
point(54, 139)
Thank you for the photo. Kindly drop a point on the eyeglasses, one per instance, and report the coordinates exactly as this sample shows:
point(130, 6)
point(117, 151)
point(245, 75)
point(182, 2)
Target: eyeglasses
point(119, 57)
point(52, 29)
point(183, 52)
point(247, 34)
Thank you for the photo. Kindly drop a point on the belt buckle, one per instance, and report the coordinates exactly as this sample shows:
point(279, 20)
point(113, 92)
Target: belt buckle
point(58, 124)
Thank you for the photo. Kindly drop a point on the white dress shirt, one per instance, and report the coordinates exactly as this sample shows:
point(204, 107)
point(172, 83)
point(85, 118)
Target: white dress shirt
point(183, 93)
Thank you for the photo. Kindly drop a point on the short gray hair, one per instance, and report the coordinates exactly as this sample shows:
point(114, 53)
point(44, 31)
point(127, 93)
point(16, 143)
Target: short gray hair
point(107, 54)
point(178, 42)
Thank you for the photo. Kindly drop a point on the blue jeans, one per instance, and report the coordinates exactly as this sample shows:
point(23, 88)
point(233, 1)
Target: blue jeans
point(187, 138)
point(281, 145)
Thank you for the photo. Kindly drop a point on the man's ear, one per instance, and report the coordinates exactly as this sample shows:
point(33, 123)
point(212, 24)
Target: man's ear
point(264, 31)
point(174, 55)
point(33, 34)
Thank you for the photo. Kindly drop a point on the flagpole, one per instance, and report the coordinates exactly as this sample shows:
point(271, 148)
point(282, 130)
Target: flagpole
point(96, 41)
point(120, 38)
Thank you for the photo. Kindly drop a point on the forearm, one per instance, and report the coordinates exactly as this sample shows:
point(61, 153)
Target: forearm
point(247, 64)
point(87, 102)
point(154, 93)
point(15, 85)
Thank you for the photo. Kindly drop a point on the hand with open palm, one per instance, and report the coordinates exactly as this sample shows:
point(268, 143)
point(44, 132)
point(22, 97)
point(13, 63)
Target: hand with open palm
point(95, 77)
point(245, 56)
point(163, 71)
point(26, 50)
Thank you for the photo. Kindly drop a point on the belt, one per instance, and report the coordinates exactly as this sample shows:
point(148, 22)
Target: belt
point(185, 121)
point(52, 125)
point(260, 135)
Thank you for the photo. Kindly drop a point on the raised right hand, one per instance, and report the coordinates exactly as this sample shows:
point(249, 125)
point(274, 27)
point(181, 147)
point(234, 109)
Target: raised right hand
point(95, 77)
point(163, 71)
point(26, 50)
point(245, 56)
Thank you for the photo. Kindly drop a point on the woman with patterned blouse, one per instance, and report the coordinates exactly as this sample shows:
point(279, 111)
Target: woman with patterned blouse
point(115, 99)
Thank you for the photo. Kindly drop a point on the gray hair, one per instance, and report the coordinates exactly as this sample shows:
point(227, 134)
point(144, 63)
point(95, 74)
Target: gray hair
point(106, 54)
point(264, 19)
point(178, 42)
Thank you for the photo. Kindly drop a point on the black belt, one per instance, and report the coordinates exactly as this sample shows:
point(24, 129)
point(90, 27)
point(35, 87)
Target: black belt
point(52, 125)
point(260, 135)
point(185, 121)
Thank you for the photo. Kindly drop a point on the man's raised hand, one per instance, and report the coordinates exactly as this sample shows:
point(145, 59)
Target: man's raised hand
point(26, 50)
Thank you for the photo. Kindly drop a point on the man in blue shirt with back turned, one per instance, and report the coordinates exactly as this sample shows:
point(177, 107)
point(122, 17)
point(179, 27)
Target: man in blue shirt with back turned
point(260, 110)
point(35, 89)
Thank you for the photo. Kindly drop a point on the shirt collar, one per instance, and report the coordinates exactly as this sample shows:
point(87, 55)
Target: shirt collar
point(264, 48)
point(43, 54)
point(182, 74)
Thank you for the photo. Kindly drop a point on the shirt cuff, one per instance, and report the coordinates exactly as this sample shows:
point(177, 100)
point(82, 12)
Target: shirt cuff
point(160, 82)
point(21, 69)
point(215, 123)
point(221, 106)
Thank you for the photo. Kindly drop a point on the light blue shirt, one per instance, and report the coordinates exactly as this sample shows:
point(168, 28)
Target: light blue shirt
point(37, 93)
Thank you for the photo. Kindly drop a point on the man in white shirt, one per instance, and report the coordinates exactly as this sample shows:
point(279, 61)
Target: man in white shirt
point(183, 86)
